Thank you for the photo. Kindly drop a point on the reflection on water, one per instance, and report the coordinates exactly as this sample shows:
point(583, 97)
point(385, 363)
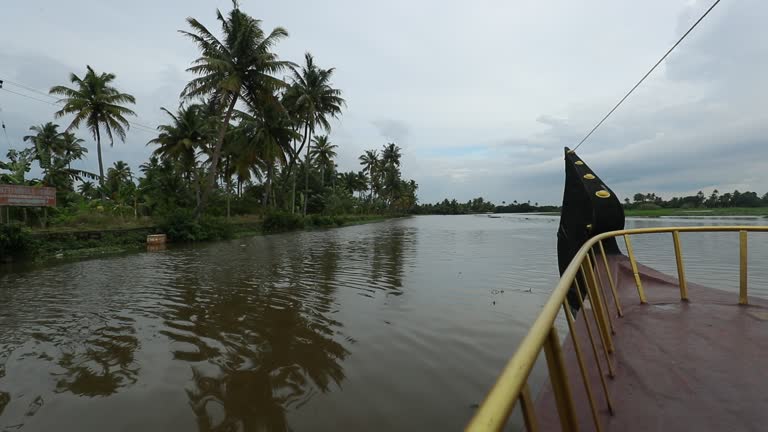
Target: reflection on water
point(100, 363)
point(396, 325)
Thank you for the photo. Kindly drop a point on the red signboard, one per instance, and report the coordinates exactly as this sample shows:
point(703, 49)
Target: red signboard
point(27, 196)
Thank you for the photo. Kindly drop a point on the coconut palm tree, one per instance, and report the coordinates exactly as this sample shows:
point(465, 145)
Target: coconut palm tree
point(97, 104)
point(58, 173)
point(47, 140)
point(189, 131)
point(323, 153)
point(121, 172)
point(362, 183)
point(242, 59)
point(390, 161)
point(118, 176)
point(314, 101)
point(72, 146)
point(87, 190)
point(266, 137)
point(370, 162)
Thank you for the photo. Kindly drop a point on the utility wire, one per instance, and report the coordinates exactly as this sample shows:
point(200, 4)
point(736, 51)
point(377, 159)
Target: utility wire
point(137, 126)
point(647, 73)
point(28, 96)
point(29, 89)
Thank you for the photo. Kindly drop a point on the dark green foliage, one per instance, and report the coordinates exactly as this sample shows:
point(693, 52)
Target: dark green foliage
point(79, 243)
point(181, 226)
point(322, 221)
point(651, 201)
point(479, 205)
point(15, 240)
point(275, 222)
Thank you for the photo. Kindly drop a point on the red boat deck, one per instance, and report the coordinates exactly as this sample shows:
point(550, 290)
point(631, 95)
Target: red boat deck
point(697, 365)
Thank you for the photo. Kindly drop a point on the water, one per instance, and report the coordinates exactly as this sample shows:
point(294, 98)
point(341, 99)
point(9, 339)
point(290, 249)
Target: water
point(403, 325)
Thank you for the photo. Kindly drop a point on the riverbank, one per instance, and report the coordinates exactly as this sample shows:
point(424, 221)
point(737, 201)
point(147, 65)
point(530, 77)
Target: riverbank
point(42, 245)
point(714, 212)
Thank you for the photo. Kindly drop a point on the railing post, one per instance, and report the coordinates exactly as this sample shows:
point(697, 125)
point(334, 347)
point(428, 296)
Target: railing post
point(680, 268)
point(582, 367)
point(600, 288)
point(610, 280)
point(594, 352)
point(529, 415)
point(632, 261)
point(743, 300)
point(597, 306)
point(560, 385)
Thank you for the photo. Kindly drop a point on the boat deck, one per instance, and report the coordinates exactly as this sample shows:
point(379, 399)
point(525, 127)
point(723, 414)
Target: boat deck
point(696, 365)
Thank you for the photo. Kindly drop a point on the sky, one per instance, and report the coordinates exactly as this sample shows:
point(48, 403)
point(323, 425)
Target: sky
point(481, 95)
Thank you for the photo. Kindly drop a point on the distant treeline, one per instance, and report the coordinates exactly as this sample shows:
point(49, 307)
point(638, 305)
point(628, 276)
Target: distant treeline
point(649, 201)
point(480, 205)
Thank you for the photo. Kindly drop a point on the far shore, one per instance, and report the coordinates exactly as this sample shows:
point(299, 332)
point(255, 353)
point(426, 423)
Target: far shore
point(760, 212)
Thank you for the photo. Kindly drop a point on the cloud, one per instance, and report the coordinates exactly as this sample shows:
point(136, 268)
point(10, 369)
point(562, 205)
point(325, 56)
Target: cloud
point(393, 130)
point(481, 97)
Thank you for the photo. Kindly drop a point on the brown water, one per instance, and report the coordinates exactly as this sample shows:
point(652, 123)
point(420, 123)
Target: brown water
point(400, 325)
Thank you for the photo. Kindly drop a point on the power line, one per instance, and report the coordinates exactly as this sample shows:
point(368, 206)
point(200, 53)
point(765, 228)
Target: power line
point(138, 126)
point(30, 89)
point(28, 96)
point(647, 73)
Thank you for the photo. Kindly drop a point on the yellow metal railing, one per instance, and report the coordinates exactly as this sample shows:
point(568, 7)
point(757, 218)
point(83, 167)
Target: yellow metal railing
point(512, 384)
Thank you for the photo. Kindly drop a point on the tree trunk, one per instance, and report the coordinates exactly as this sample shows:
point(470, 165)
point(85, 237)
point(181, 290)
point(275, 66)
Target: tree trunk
point(211, 180)
point(293, 163)
point(196, 179)
point(228, 183)
point(322, 175)
point(267, 187)
point(101, 164)
point(306, 174)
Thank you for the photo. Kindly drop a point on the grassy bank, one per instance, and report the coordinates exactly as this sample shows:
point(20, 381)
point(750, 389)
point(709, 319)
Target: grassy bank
point(731, 211)
point(86, 241)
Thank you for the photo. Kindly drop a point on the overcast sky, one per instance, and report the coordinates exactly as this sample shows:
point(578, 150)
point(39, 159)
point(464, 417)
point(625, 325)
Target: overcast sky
point(482, 95)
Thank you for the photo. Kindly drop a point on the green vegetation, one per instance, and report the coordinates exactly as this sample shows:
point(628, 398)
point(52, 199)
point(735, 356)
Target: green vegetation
point(730, 211)
point(248, 125)
point(15, 241)
point(480, 205)
point(728, 204)
point(728, 200)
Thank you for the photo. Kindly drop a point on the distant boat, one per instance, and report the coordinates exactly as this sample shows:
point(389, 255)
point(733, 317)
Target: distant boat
point(494, 216)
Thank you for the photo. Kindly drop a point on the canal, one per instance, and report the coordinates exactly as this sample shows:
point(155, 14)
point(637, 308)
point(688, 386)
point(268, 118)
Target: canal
point(401, 325)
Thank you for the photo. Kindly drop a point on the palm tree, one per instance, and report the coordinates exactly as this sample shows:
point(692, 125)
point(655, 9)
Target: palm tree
point(190, 131)
point(47, 140)
point(350, 181)
point(87, 190)
point(391, 155)
point(370, 162)
point(72, 146)
point(323, 153)
point(390, 161)
point(121, 172)
point(362, 183)
point(95, 102)
point(266, 136)
point(117, 176)
point(58, 173)
point(242, 59)
point(314, 101)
